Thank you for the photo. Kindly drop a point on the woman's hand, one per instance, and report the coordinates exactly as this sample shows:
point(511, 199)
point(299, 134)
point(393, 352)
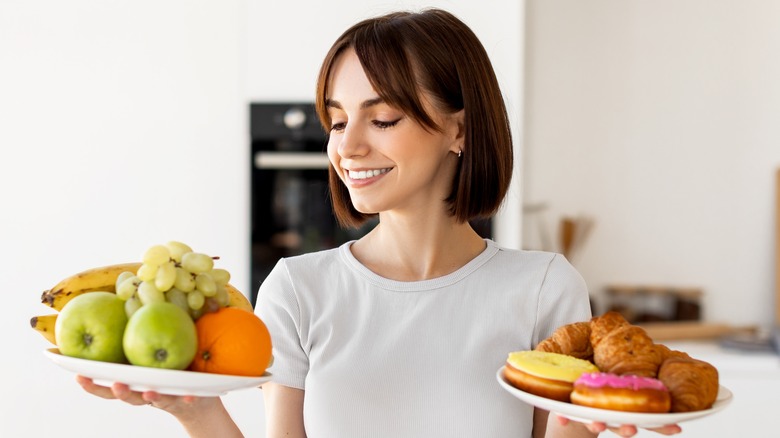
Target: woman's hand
point(625, 430)
point(200, 416)
point(120, 391)
point(184, 408)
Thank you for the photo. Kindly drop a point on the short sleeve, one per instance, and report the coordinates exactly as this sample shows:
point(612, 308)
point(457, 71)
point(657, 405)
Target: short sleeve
point(277, 305)
point(563, 298)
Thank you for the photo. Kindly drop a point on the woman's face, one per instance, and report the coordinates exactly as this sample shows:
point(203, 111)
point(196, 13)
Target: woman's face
point(386, 159)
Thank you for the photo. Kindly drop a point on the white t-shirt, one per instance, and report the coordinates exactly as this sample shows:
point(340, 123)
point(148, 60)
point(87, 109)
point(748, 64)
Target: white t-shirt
point(384, 358)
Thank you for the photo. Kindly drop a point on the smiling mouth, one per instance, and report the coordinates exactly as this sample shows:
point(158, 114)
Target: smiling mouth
point(365, 174)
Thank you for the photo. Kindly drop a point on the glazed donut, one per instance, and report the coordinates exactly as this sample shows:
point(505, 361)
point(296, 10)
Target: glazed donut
point(545, 374)
point(621, 393)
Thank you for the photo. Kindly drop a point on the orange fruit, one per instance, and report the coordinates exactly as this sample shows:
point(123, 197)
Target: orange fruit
point(232, 341)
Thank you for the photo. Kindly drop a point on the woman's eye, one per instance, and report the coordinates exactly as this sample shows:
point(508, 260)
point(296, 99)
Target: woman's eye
point(338, 126)
point(384, 125)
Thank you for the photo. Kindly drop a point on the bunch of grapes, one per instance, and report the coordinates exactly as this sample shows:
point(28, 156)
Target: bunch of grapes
point(173, 272)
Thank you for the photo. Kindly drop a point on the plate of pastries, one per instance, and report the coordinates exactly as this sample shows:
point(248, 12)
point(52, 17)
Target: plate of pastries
point(609, 370)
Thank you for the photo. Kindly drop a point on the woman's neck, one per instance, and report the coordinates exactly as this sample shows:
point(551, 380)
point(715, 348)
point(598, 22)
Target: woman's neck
point(419, 250)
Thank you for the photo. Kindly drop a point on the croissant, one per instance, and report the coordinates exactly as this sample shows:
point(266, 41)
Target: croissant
point(602, 325)
point(693, 384)
point(571, 339)
point(627, 350)
point(667, 352)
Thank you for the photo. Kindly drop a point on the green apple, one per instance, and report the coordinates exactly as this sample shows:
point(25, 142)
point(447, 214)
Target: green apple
point(91, 326)
point(161, 335)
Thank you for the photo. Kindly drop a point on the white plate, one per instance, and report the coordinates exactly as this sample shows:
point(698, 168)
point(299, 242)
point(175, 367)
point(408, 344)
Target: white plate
point(585, 414)
point(172, 382)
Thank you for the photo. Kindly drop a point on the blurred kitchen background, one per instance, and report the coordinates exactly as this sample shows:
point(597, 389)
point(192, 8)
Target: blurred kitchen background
point(647, 145)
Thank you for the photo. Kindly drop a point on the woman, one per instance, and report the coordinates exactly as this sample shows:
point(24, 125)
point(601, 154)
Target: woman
point(401, 333)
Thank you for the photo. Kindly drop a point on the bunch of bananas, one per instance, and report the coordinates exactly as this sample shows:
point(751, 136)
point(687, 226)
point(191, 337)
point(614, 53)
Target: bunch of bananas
point(93, 280)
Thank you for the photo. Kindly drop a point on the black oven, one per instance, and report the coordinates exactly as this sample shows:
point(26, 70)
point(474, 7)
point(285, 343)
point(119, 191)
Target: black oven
point(290, 206)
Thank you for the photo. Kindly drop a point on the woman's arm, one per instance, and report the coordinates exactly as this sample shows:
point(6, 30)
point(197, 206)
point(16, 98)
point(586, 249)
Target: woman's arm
point(540, 423)
point(283, 411)
point(210, 420)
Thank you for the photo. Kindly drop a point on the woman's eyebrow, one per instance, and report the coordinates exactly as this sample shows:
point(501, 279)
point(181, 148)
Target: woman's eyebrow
point(331, 103)
point(371, 102)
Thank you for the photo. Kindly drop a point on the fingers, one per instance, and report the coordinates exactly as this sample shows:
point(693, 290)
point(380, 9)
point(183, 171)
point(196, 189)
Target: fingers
point(669, 429)
point(118, 391)
point(625, 430)
point(598, 427)
point(594, 427)
point(92, 388)
point(171, 403)
point(123, 392)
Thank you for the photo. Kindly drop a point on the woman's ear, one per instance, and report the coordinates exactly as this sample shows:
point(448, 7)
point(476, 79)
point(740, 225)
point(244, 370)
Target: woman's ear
point(461, 120)
point(458, 130)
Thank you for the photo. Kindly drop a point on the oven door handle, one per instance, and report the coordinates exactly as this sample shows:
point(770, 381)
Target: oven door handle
point(291, 160)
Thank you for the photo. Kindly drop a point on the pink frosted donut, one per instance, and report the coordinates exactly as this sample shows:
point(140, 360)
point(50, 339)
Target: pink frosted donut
point(621, 393)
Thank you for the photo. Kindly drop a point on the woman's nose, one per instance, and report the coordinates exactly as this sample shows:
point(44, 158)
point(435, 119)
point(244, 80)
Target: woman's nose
point(352, 142)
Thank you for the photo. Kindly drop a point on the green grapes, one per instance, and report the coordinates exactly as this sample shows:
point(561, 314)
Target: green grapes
point(128, 287)
point(220, 276)
point(205, 284)
point(196, 262)
point(166, 276)
point(147, 272)
point(148, 293)
point(173, 272)
point(185, 280)
point(121, 278)
point(177, 249)
point(156, 255)
point(131, 305)
point(196, 299)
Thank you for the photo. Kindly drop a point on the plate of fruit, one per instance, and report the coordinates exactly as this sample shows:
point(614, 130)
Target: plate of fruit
point(171, 323)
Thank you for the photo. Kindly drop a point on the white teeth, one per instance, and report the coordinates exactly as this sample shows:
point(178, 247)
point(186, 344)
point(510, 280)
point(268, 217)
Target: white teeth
point(365, 174)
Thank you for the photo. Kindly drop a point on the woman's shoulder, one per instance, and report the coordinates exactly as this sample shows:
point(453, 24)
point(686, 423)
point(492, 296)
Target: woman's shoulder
point(552, 263)
point(312, 260)
point(291, 272)
point(527, 255)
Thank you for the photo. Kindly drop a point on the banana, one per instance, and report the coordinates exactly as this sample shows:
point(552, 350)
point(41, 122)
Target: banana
point(91, 280)
point(238, 299)
point(44, 324)
point(104, 279)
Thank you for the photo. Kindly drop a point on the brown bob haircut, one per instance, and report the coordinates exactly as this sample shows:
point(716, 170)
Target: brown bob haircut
point(406, 54)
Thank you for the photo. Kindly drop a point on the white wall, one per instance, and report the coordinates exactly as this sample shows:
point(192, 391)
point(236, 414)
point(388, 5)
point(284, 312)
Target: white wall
point(123, 124)
point(659, 119)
